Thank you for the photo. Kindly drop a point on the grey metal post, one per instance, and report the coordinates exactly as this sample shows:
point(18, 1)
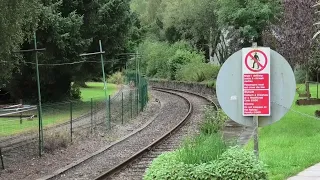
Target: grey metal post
point(71, 120)
point(91, 115)
point(256, 125)
point(103, 76)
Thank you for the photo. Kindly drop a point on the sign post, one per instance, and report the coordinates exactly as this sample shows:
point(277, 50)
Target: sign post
point(258, 94)
point(256, 86)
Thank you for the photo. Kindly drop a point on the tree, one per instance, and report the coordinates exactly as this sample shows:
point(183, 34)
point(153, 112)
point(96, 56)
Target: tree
point(292, 35)
point(249, 16)
point(18, 22)
point(62, 39)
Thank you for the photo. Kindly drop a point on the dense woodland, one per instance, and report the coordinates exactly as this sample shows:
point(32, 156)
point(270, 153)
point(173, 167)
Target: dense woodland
point(176, 39)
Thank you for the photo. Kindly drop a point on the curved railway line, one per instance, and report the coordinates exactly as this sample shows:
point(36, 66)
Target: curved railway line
point(134, 167)
point(176, 110)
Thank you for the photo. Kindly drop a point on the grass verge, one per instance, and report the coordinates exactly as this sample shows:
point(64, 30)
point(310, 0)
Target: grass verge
point(58, 112)
point(292, 144)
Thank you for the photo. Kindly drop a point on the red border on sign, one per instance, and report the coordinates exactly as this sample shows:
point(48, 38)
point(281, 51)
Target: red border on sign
point(247, 58)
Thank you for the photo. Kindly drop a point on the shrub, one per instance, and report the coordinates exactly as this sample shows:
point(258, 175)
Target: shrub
point(116, 78)
point(197, 72)
point(237, 163)
point(167, 167)
point(182, 57)
point(75, 91)
point(201, 149)
point(214, 120)
point(54, 141)
point(300, 75)
point(211, 84)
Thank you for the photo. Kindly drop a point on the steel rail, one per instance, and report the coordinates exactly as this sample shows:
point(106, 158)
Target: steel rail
point(129, 160)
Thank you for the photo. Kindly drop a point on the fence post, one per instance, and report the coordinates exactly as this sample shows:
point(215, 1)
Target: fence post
point(122, 107)
point(91, 104)
point(131, 103)
point(71, 120)
point(137, 101)
point(109, 125)
point(40, 144)
point(1, 156)
point(20, 118)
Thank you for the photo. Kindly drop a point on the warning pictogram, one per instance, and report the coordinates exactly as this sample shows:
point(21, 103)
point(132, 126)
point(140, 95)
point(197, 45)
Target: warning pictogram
point(256, 60)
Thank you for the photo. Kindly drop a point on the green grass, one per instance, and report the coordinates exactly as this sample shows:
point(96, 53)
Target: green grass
point(293, 143)
point(58, 112)
point(96, 91)
point(203, 148)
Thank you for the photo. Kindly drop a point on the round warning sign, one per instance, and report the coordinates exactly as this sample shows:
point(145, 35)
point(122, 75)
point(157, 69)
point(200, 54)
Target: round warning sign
point(256, 60)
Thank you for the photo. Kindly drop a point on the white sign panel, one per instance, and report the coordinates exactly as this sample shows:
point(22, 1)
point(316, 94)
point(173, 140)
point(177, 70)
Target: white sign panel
point(256, 81)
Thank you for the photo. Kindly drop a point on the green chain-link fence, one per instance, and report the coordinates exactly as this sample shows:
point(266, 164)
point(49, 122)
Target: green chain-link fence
point(63, 122)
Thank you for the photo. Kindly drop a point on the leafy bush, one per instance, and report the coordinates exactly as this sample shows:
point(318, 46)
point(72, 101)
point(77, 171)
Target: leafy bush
point(197, 72)
point(162, 60)
point(182, 57)
point(300, 75)
point(75, 91)
point(116, 78)
point(201, 149)
point(237, 163)
point(167, 167)
point(214, 120)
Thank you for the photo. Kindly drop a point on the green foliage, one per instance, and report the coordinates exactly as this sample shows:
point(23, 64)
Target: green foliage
point(197, 72)
point(211, 84)
point(162, 60)
point(168, 167)
point(214, 120)
point(237, 163)
point(19, 18)
point(201, 149)
point(75, 91)
point(116, 78)
point(300, 75)
point(180, 58)
point(250, 17)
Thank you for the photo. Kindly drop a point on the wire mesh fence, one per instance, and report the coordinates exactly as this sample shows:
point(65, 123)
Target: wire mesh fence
point(65, 121)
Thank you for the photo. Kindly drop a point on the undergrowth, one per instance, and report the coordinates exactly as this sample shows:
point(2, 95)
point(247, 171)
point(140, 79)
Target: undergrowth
point(201, 149)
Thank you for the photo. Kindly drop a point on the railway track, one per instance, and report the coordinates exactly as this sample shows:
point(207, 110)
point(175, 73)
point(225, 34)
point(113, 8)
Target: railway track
point(134, 167)
point(175, 110)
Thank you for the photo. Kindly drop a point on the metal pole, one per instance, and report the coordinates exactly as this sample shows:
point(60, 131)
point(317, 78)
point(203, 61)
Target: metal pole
point(109, 125)
point(255, 135)
point(122, 108)
point(104, 77)
point(71, 120)
point(131, 103)
point(137, 92)
point(91, 115)
point(39, 94)
point(256, 125)
point(317, 85)
point(1, 156)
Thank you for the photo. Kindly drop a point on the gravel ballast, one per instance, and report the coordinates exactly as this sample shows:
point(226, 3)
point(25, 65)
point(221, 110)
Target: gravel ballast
point(23, 163)
point(173, 110)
